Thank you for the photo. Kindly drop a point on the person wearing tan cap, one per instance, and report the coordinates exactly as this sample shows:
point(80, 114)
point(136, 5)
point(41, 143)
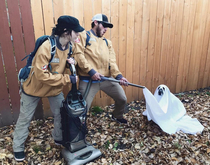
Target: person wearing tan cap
point(97, 59)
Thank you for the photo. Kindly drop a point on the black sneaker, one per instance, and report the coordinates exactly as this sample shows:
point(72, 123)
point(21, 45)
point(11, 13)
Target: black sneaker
point(122, 121)
point(58, 143)
point(19, 156)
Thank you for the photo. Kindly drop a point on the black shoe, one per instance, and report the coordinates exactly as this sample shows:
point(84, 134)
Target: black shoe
point(122, 121)
point(58, 143)
point(19, 156)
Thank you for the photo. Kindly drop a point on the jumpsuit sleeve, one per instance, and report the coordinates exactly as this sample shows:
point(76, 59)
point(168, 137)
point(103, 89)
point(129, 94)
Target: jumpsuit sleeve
point(41, 70)
point(79, 55)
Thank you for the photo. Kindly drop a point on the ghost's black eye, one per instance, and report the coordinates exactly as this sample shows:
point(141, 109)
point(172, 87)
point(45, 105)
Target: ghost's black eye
point(158, 87)
point(163, 88)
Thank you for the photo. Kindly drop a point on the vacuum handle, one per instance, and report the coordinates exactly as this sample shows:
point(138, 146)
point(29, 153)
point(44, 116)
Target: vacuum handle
point(118, 81)
point(72, 69)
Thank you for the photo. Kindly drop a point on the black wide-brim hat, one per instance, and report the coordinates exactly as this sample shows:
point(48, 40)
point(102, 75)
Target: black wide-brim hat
point(69, 22)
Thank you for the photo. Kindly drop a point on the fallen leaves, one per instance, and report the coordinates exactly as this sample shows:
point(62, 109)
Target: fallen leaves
point(139, 142)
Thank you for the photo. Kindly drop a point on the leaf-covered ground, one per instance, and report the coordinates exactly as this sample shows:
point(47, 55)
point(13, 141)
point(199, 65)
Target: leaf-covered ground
point(138, 142)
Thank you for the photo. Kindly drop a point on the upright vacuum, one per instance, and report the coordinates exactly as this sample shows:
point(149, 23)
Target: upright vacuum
point(74, 130)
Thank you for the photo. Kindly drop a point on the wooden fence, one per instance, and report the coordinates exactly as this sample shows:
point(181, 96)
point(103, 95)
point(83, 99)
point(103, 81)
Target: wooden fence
point(156, 42)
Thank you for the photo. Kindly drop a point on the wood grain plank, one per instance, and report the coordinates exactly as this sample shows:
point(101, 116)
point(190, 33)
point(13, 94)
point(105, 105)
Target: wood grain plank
point(88, 14)
point(122, 36)
point(137, 93)
point(114, 13)
point(68, 7)
point(27, 23)
point(171, 42)
point(48, 16)
point(196, 48)
point(177, 42)
point(58, 9)
point(204, 46)
point(188, 45)
point(151, 42)
point(16, 29)
point(183, 43)
point(37, 15)
point(165, 40)
point(129, 48)
point(144, 42)
point(158, 43)
point(9, 62)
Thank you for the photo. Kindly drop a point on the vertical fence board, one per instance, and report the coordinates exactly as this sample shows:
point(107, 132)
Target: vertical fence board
point(144, 42)
point(68, 7)
point(151, 42)
point(171, 42)
point(129, 45)
point(58, 9)
point(183, 44)
point(27, 24)
point(177, 41)
point(79, 12)
point(207, 66)
point(122, 35)
point(106, 11)
point(8, 56)
point(204, 46)
point(48, 16)
point(6, 117)
point(88, 14)
point(165, 41)
point(188, 45)
point(137, 48)
point(114, 4)
point(158, 43)
point(16, 29)
point(197, 40)
point(36, 9)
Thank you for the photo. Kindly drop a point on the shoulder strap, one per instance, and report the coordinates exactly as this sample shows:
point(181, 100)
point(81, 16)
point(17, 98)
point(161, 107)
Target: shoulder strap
point(53, 50)
point(87, 39)
point(70, 50)
point(106, 41)
point(53, 47)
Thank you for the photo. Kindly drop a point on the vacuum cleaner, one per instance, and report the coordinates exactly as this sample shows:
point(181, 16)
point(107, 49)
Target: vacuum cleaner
point(74, 130)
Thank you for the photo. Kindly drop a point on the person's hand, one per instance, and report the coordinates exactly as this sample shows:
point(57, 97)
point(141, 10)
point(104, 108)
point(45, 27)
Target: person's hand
point(71, 60)
point(97, 76)
point(73, 79)
point(123, 81)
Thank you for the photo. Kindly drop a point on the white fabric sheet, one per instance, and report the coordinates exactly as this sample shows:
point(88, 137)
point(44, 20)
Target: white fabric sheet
point(169, 113)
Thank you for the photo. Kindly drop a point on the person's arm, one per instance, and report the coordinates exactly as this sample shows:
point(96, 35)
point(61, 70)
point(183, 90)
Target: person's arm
point(41, 61)
point(78, 55)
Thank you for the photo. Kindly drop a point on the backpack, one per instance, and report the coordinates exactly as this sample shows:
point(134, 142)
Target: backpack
point(88, 39)
point(24, 72)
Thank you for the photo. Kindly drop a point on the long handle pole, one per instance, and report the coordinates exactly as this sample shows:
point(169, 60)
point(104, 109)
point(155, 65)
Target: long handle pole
point(118, 81)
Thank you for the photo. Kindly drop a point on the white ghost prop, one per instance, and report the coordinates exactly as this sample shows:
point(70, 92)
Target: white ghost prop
point(166, 110)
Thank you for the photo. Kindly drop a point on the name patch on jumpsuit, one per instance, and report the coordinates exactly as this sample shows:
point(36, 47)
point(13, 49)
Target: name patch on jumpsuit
point(55, 60)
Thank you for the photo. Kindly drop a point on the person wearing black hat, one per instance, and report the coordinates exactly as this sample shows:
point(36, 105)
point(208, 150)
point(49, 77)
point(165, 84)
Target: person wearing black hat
point(98, 59)
point(45, 82)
